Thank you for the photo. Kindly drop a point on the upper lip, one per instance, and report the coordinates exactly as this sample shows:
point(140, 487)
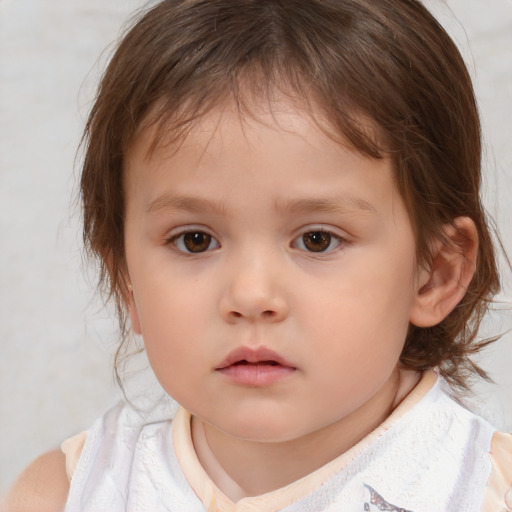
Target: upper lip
point(253, 355)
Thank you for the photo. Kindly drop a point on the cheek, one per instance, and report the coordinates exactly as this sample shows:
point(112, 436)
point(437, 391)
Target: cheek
point(173, 329)
point(169, 325)
point(369, 297)
point(363, 317)
point(174, 357)
point(169, 301)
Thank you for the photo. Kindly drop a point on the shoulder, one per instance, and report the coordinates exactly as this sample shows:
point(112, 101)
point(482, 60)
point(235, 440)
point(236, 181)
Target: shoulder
point(43, 486)
point(490, 449)
point(498, 494)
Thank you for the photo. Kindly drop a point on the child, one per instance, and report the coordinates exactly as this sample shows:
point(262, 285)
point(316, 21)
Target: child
point(284, 199)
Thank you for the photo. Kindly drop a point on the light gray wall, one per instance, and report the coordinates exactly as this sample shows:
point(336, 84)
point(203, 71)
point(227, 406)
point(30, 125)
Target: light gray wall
point(56, 340)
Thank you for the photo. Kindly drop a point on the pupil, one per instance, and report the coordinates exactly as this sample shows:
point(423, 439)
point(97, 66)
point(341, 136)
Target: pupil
point(197, 242)
point(317, 241)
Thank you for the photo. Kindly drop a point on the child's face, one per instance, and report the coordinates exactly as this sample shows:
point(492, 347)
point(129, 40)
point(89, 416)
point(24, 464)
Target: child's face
point(266, 242)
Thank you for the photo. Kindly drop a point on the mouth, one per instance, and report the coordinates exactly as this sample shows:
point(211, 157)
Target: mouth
point(259, 367)
point(246, 356)
point(257, 363)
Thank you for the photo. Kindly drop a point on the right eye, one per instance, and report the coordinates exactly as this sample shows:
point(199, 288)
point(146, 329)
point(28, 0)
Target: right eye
point(194, 242)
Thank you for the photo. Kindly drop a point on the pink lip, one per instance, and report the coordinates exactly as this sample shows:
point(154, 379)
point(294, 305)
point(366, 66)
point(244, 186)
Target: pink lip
point(255, 367)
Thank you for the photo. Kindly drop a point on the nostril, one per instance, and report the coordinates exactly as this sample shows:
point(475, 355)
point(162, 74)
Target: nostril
point(268, 313)
point(236, 314)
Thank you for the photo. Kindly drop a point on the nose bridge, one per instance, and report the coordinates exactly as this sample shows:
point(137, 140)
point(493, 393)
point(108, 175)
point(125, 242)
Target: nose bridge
point(254, 289)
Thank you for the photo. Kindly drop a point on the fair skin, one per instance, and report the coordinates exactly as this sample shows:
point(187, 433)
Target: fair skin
point(304, 248)
point(273, 279)
point(42, 487)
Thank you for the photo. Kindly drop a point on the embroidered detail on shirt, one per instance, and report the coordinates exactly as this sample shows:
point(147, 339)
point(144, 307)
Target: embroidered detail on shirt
point(381, 504)
point(508, 499)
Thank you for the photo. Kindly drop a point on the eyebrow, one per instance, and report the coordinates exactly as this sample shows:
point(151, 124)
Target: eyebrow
point(336, 204)
point(186, 203)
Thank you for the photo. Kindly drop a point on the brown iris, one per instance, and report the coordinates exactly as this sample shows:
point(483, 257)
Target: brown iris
point(197, 241)
point(316, 241)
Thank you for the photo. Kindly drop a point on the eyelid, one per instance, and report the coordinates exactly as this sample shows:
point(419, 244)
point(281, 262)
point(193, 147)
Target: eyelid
point(342, 238)
point(325, 228)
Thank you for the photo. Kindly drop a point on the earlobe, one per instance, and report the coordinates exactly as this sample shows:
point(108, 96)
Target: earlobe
point(443, 285)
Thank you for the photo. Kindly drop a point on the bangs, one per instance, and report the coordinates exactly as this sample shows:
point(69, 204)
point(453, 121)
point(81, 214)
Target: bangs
point(252, 94)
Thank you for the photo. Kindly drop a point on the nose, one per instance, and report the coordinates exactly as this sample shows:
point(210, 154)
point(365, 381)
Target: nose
point(253, 292)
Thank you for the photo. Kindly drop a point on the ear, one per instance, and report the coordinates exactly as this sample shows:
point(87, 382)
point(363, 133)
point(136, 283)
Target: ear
point(125, 288)
point(443, 285)
point(132, 308)
point(128, 299)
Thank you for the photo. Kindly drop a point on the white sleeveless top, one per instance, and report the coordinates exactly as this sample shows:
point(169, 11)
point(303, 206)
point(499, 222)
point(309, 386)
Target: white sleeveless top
point(430, 455)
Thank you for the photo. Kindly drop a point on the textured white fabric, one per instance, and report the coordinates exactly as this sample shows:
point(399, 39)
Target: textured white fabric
point(435, 458)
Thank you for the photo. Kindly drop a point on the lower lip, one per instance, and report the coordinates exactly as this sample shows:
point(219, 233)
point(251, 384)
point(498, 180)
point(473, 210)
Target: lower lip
point(256, 375)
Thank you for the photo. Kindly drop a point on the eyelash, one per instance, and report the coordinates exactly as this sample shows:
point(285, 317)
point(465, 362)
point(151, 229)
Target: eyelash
point(179, 241)
point(206, 242)
point(323, 235)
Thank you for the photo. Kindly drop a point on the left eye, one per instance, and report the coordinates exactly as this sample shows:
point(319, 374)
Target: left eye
point(317, 241)
point(194, 242)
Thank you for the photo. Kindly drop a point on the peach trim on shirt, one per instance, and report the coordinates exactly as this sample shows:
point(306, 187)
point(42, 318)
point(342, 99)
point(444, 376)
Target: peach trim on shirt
point(498, 493)
point(215, 500)
point(72, 449)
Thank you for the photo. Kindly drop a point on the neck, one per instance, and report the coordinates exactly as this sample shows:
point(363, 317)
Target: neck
point(242, 468)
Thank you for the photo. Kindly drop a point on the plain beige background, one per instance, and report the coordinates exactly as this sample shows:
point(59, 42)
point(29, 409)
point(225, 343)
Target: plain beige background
point(56, 339)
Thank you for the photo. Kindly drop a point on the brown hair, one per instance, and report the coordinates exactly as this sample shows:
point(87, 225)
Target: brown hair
point(388, 61)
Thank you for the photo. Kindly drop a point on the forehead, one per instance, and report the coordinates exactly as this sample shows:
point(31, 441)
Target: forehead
point(282, 153)
point(161, 134)
point(270, 104)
